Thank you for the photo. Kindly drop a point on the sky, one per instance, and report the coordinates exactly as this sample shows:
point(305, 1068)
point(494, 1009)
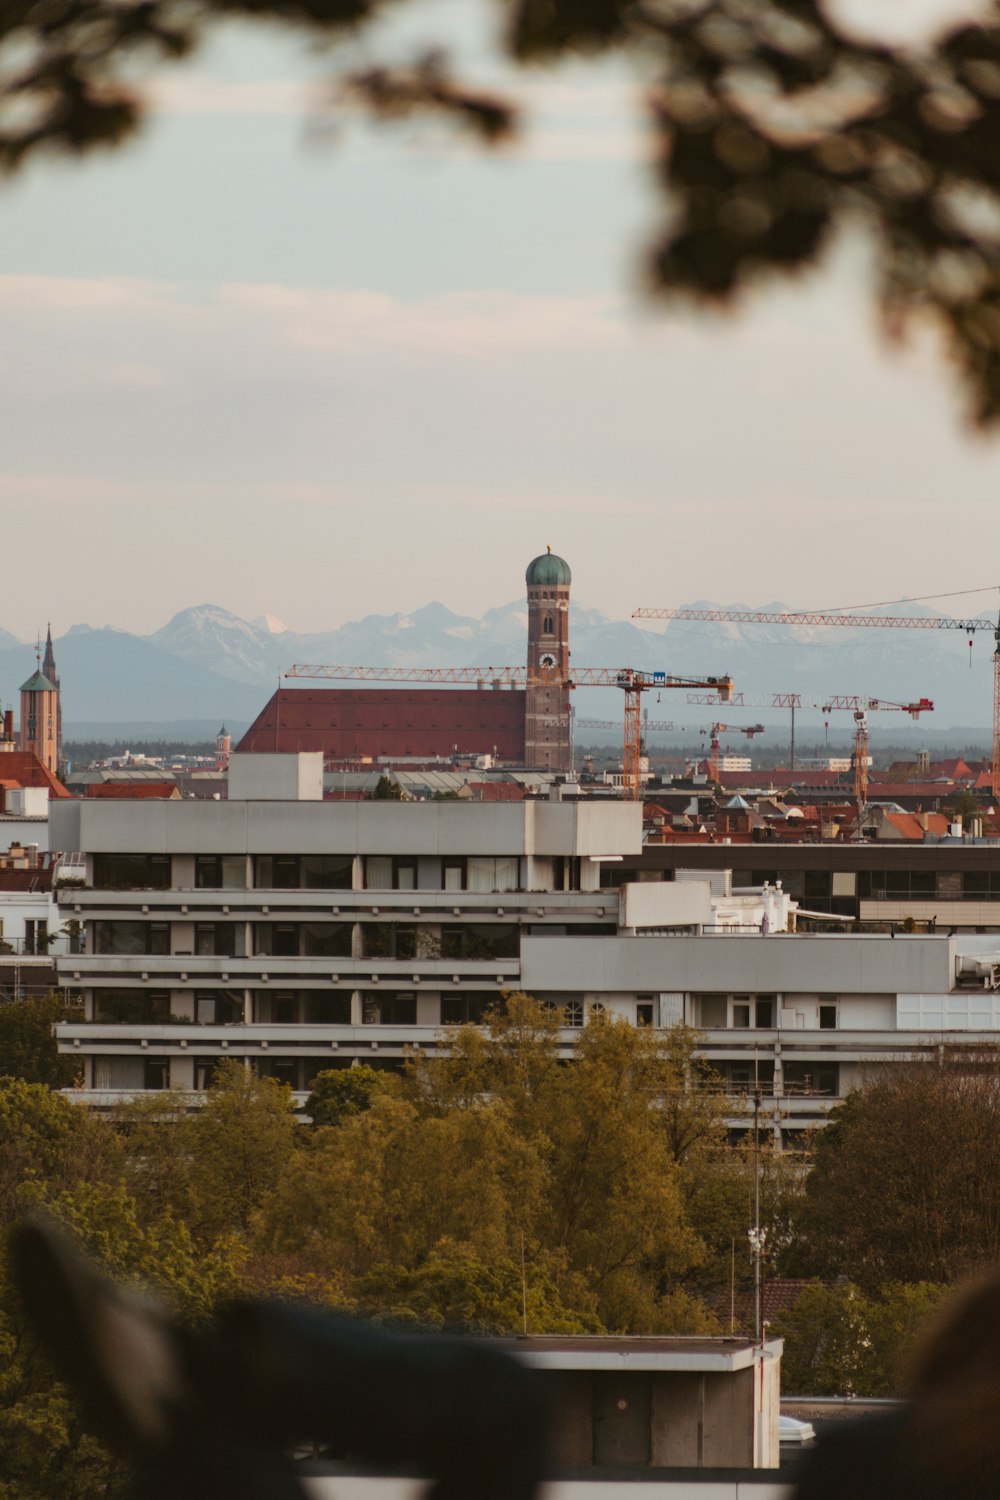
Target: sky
point(251, 361)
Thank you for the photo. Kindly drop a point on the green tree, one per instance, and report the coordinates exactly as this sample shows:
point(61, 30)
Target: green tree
point(387, 790)
point(340, 1093)
point(28, 1045)
point(453, 1288)
point(773, 125)
point(46, 1145)
point(906, 1178)
point(826, 1336)
point(242, 1144)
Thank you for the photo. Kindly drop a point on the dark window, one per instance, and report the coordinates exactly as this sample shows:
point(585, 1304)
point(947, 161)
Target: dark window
point(126, 1007)
point(644, 1013)
point(389, 940)
point(36, 936)
point(827, 1018)
point(284, 1070)
point(285, 1010)
point(156, 1074)
point(204, 1072)
point(804, 1078)
point(208, 871)
point(743, 1077)
point(391, 1009)
point(741, 1012)
point(764, 1011)
point(122, 872)
point(216, 1008)
point(817, 885)
point(547, 627)
point(327, 872)
point(480, 940)
point(330, 1009)
point(461, 1010)
point(327, 939)
point(131, 937)
point(216, 939)
point(280, 939)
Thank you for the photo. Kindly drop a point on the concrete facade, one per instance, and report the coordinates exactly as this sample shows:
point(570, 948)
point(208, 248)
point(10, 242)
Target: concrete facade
point(300, 935)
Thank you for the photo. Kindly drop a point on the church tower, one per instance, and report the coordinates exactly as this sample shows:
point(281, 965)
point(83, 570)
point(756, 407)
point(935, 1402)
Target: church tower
point(547, 737)
point(51, 671)
point(40, 715)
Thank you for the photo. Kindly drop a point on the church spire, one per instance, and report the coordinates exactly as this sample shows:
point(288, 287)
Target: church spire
point(49, 662)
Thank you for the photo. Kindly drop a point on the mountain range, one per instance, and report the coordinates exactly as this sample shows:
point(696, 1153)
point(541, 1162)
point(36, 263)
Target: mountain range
point(206, 665)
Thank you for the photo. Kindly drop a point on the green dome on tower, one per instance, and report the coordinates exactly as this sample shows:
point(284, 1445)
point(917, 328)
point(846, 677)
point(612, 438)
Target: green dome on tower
point(549, 569)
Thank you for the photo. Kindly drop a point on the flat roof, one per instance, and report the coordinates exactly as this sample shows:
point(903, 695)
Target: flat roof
point(641, 1354)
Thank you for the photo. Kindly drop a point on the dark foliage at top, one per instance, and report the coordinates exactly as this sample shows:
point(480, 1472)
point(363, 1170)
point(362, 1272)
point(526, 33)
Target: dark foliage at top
point(774, 125)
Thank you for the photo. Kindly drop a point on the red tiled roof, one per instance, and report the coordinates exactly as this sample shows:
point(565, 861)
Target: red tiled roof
point(23, 768)
point(911, 825)
point(496, 791)
point(133, 791)
point(402, 723)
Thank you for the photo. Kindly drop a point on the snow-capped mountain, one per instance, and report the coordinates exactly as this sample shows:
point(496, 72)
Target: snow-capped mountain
point(208, 663)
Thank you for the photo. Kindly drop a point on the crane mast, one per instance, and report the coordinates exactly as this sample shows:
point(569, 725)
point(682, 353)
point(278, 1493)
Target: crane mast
point(850, 620)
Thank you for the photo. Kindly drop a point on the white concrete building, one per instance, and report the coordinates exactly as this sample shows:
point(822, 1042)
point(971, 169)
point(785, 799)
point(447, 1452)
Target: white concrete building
point(301, 935)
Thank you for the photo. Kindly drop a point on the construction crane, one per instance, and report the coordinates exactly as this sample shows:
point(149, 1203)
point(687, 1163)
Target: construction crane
point(713, 753)
point(850, 702)
point(632, 682)
point(848, 620)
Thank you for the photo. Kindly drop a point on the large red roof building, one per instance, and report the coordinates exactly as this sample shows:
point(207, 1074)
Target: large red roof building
point(521, 726)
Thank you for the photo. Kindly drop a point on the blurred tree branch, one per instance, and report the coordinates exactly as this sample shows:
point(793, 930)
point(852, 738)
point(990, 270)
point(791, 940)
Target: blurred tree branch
point(773, 126)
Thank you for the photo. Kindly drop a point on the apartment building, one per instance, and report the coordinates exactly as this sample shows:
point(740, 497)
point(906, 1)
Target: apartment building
point(300, 934)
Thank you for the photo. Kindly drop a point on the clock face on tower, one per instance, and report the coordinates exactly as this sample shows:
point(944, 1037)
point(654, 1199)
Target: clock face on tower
point(546, 660)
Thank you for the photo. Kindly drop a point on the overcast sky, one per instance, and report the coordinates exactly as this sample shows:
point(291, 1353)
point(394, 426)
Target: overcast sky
point(324, 380)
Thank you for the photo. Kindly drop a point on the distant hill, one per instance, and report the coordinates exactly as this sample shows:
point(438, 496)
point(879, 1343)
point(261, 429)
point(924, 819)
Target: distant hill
point(209, 665)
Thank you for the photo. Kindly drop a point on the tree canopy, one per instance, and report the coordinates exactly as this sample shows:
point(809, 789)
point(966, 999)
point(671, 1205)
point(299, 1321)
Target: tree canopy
point(775, 123)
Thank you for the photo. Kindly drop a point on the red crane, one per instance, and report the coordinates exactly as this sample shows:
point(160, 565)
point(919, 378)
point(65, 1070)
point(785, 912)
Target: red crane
point(827, 618)
point(633, 684)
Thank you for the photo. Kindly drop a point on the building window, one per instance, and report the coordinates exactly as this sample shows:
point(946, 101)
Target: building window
point(215, 872)
point(465, 1010)
point(131, 937)
point(124, 872)
point(276, 939)
point(480, 941)
point(547, 626)
point(753, 1011)
point(745, 1077)
point(453, 875)
point(215, 939)
point(285, 1010)
point(131, 1007)
point(828, 1018)
point(293, 872)
point(329, 1008)
point(156, 1074)
point(217, 1008)
point(398, 1008)
point(805, 1078)
point(644, 1013)
point(36, 936)
point(741, 1012)
point(573, 1013)
point(327, 939)
point(394, 940)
